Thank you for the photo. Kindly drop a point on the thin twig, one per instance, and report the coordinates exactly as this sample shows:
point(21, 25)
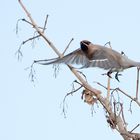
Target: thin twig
point(67, 46)
point(56, 70)
point(102, 85)
point(120, 110)
point(23, 19)
point(64, 100)
point(130, 106)
point(108, 89)
point(108, 83)
point(123, 114)
point(114, 103)
point(38, 30)
point(134, 99)
point(118, 89)
point(45, 24)
point(30, 39)
point(17, 25)
point(109, 43)
point(135, 128)
point(32, 72)
point(73, 91)
point(83, 75)
point(137, 85)
point(43, 28)
point(18, 53)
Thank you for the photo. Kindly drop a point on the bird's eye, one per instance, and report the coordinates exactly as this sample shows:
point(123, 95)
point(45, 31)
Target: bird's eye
point(122, 53)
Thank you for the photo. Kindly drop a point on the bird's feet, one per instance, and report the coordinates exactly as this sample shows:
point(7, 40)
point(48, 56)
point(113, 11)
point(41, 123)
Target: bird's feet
point(108, 74)
point(116, 76)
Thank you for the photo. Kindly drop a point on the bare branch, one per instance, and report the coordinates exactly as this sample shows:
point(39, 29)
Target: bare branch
point(56, 70)
point(38, 30)
point(70, 93)
point(32, 72)
point(108, 89)
point(130, 107)
point(101, 85)
point(23, 19)
point(83, 75)
point(108, 83)
point(134, 99)
point(19, 53)
point(43, 28)
point(56, 51)
point(122, 112)
point(108, 43)
point(45, 24)
point(137, 85)
point(67, 46)
point(30, 39)
point(17, 24)
point(116, 122)
point(118, 89)
point(135, 128)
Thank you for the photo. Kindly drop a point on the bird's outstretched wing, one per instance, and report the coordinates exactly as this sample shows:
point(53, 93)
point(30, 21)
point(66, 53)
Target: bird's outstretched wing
point(75, 57)
point(100, 58)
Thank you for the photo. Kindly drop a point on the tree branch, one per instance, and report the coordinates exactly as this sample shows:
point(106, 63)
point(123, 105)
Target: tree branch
point(117, 119)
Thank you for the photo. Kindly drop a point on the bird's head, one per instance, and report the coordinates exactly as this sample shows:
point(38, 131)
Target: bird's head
point(84, 45)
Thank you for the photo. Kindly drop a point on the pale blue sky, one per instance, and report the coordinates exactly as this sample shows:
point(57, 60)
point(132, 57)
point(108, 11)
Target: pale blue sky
point(33, 111)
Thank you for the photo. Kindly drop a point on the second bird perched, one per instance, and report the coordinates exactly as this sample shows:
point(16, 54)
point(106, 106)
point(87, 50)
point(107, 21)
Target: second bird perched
point(93, 55)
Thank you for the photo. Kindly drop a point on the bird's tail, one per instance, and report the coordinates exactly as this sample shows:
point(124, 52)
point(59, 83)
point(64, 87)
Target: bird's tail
point(130, 63)
point(134, 63)
point(137, 64)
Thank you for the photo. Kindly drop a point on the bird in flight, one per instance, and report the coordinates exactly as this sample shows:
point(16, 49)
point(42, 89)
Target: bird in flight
point(93, 55)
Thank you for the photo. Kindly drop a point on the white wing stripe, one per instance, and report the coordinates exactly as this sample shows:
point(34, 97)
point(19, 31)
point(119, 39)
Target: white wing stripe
point(101, 60)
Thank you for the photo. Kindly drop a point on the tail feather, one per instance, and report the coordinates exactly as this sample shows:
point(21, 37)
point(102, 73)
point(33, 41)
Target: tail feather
point(137, 64)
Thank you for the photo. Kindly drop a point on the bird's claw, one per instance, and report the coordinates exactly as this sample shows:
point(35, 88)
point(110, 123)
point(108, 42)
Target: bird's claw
point(108, 74)
point(116, 76)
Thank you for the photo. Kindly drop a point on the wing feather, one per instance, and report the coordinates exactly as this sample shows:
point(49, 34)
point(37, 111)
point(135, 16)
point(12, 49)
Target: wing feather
point(76, 57)
point(101, 58)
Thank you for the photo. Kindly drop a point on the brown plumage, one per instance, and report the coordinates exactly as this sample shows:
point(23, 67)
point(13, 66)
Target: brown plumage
point(92, 55)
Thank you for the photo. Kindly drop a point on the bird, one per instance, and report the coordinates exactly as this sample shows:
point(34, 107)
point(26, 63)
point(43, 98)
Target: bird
point(94, 55)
